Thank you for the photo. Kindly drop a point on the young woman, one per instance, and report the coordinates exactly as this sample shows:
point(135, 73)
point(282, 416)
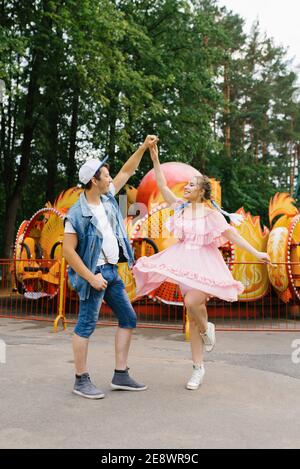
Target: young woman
point(194, 262)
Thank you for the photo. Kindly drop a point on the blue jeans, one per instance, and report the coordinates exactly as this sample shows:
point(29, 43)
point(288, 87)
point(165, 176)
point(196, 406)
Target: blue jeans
point(115, 296)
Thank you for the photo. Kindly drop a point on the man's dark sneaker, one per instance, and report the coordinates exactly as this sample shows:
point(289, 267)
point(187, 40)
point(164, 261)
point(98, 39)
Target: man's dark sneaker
point(121, 380)
point(85, 388)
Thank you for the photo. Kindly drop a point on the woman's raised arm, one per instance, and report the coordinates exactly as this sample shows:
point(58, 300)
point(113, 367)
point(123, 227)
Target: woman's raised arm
point(167, 194)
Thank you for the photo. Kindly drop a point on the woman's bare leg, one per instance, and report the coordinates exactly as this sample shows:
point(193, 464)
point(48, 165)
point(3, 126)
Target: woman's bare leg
point(195, 302)
point(196, 343)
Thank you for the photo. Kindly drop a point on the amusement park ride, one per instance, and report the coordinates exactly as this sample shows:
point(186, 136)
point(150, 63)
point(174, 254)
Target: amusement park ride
point(38, 249)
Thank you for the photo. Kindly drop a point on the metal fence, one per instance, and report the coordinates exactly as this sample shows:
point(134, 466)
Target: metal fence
point(40, 292)
point(33, 297)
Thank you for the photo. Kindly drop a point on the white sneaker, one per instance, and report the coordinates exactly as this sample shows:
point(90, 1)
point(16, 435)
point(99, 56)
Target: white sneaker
point(209, 337)
point(197, 377)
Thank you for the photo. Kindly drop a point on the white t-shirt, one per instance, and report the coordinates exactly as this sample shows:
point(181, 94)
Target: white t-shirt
point(110, 244)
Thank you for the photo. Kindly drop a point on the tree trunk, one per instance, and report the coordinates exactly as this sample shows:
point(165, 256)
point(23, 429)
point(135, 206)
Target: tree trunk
point(227, 111)
point(297, 190)
point(13, 201)
point(2, 142)
point(111, 146)
point(71, 166)
point(264, 143)
point(264, 151)
point(9, 227)
point(9, 160)
point(52, 153)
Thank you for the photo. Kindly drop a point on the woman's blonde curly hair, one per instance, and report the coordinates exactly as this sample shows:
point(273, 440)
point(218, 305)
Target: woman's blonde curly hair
point(205, 184)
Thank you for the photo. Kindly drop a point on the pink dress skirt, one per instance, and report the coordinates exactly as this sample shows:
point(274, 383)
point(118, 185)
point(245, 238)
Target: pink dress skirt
point(194, 262)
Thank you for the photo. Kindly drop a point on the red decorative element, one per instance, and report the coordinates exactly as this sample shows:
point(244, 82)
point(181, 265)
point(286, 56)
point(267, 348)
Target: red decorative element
point(175, 173)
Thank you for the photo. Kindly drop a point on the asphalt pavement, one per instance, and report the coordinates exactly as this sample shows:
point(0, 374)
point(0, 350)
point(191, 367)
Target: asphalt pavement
point(250, 397)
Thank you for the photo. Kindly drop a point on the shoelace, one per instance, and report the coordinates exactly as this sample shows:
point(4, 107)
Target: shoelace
point(196, 376)
point(92, 385)
point(88, 379)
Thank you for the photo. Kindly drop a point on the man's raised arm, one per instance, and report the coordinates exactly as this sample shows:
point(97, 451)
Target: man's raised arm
point(132, 163)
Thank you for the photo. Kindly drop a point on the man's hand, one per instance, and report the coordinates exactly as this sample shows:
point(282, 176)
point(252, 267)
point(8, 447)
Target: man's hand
point(149, 141)
point(98, 282)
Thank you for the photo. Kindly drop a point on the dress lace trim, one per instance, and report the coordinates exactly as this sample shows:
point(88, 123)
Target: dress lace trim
point(208, 238)
point(182, 273)
point(211, 233)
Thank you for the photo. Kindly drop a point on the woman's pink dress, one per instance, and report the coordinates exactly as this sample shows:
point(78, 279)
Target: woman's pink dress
point(194, 262)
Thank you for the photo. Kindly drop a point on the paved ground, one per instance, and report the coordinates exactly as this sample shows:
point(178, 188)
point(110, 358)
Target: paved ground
point(250, 398)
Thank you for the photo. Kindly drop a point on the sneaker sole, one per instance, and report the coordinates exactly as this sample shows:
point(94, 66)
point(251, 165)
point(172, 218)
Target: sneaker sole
point(210, 348)
point(115, 387)
point(190, 388)
point(98, 396)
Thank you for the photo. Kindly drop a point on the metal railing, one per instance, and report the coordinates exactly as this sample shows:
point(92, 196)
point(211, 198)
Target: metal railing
point(38, 290)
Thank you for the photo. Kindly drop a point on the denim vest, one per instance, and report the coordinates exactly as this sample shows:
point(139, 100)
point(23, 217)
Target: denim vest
point(90, 240)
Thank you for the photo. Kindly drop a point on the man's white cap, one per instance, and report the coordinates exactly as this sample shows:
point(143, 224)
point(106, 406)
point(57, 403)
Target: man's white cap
point(89, 168)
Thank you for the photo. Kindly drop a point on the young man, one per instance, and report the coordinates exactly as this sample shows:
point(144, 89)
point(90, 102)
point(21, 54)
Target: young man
point(94, 241)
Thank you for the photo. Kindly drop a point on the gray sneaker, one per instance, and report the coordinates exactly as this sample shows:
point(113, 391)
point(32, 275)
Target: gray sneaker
point(123, 382)
point(85, 388)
